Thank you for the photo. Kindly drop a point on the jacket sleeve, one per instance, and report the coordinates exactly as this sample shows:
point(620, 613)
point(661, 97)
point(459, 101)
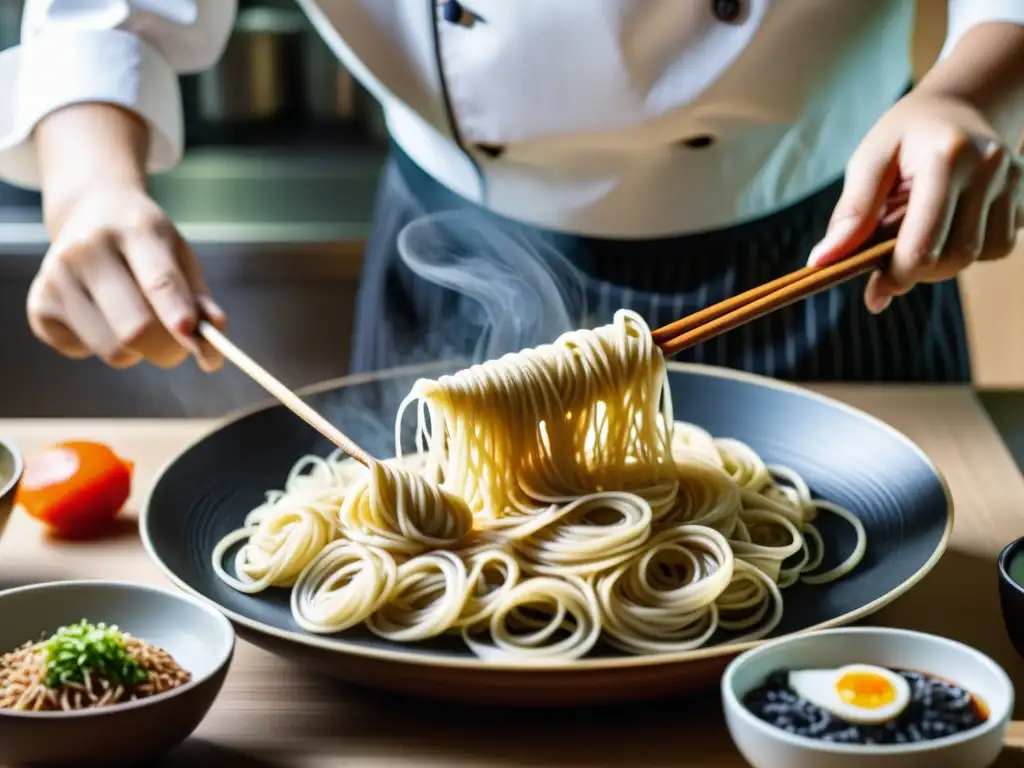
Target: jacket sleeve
point(124, 52)
point(965, 14)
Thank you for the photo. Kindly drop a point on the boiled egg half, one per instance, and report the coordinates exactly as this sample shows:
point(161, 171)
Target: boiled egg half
point(858, 693)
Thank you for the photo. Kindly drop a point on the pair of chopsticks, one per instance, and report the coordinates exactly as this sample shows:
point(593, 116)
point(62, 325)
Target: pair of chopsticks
point(281, 392)
point(672, 338)
point(757, 302)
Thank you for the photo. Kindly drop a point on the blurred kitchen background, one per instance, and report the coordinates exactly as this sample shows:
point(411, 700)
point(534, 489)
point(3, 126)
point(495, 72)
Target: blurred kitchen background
point(275, 194)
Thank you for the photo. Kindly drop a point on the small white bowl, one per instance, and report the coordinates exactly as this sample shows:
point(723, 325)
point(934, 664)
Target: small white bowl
point(196, 635)
point(765, 746)
point(12, 466)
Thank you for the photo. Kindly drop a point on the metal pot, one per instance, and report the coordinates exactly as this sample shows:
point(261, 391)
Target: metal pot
point(330, 93)
point(332, 96)
point(254, 81)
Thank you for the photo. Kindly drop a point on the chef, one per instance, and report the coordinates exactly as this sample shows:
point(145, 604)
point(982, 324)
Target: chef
point(550, 162)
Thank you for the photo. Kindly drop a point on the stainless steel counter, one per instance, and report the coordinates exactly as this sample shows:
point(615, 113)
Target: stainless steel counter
point(279, 233)
point(242, 210)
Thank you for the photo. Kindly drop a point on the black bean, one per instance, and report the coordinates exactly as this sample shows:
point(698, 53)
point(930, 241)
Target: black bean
point(821, 724)
point(936, 709)
point(837, 737)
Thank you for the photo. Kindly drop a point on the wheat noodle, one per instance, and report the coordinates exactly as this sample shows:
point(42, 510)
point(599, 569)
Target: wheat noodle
point(552, 501)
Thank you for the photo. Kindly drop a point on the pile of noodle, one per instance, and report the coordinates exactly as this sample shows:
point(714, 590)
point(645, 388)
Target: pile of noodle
point(552, 502)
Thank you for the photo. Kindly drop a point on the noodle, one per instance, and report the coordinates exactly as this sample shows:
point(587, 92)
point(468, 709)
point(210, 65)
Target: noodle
point(565, 604)
point(292, 526)
point(403, 513)
point(552, 502)
point(23, 674)
point(586, 537)
point(484, 596)
point(665, 598)
point(547, 425)
point(343, 586)
point(427, 599)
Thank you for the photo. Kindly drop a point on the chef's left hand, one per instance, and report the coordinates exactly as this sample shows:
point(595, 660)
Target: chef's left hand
point(937, 161)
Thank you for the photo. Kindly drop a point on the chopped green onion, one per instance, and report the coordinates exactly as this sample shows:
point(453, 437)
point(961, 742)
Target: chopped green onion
point(94, 648)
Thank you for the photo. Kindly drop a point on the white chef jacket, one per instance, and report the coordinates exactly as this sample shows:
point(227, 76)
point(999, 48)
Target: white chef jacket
point(620, 118)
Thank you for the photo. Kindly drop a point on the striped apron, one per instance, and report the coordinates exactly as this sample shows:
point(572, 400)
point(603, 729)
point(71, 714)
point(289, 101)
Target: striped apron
point(444, 278)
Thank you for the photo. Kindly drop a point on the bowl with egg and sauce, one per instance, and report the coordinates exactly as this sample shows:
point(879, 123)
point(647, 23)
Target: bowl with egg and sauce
point(11, 469)
point(867, 696)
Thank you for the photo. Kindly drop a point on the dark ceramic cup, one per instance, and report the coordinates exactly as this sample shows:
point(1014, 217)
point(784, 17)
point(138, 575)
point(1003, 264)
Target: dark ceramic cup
point(1011, 593)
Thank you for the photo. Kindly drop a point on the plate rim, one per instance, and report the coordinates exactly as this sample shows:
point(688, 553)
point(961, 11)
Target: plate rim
point(335, 644)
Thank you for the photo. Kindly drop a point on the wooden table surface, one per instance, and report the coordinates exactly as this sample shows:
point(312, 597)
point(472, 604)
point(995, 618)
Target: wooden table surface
point(272, 714)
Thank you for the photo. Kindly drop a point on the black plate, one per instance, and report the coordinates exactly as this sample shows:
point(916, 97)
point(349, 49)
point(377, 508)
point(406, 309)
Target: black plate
point(846, 456)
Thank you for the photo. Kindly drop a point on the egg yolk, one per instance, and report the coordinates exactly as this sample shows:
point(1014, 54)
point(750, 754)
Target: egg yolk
point(865, 691)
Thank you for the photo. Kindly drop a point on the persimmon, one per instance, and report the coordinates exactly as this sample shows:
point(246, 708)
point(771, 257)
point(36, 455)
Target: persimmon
point(76, 488)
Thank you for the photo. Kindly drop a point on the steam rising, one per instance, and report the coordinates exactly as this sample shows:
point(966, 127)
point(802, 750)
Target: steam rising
point(516, 290)
point(505, 287)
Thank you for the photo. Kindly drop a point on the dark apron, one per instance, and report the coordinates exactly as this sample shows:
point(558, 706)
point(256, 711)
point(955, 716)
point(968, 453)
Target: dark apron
point(480, 285)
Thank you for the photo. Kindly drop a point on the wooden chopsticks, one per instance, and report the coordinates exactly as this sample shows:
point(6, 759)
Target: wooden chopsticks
point(219, 341)
point(757, 302)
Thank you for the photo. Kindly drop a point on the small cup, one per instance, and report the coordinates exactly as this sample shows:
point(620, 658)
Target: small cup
point(1011, 592)
point(12, 466)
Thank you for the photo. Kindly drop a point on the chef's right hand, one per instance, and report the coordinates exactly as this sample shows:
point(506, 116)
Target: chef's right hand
point(119, 281)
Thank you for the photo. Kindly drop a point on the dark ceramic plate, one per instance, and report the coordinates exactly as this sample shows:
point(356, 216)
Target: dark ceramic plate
point(846, 456)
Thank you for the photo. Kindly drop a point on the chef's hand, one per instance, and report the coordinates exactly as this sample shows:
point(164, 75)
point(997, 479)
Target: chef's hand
point(119, 282)
point(938, 163)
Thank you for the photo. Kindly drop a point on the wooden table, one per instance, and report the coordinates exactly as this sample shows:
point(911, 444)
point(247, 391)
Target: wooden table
point(272, 714)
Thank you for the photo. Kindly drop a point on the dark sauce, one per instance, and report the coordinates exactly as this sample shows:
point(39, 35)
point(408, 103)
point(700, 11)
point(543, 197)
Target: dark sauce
point(937, 708)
